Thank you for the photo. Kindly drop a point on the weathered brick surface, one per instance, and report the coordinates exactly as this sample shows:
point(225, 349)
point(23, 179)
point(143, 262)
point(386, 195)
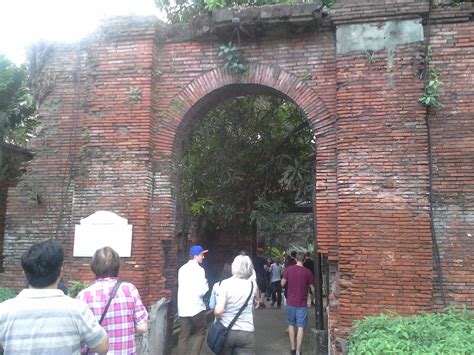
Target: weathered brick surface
point(383, 219)
point(102, 147)
point(453, 161)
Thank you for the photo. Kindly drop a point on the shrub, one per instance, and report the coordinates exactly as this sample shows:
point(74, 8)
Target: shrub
point(6, 293)
point(75, 287)
point(450, 332)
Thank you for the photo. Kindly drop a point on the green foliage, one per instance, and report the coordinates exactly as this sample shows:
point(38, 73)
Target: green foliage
point(134, 94)
point(369, 56)
point(6, 293)
point(328, 4)
point(214, 4)
point(450, 332)
point(17, 111)
point(306, 75)
point(246, 162)
point(232, 58)
point(202, 207)
point(427, 54)
point(75, 287)
point(432, 91)
point(297, 177)
point(309, 247)
point(274, 252)
point(265, 212)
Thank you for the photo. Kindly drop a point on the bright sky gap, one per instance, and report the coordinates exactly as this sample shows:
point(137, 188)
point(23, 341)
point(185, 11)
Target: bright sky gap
point(23, 22)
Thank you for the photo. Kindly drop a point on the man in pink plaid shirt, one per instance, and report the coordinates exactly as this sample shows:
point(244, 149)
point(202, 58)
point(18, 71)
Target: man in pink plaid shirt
point(126, 314)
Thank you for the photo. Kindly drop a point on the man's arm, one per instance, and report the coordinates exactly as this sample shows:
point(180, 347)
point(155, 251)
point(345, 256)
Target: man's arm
point(199, 281)
point(283, 282)
point(102, 347)
point(313, 290)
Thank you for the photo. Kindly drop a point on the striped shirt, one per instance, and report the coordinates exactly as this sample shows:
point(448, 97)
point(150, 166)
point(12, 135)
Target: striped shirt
point(125, 312)
point(45, 321)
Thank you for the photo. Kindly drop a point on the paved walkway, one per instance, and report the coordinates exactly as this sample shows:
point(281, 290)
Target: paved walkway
point(270, 332)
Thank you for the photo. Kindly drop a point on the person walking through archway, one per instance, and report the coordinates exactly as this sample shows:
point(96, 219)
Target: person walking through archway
point(192, 286)
point(298, 279)
point(236, 293)
point(276, 271)
point(259, 265)
point(309, 264)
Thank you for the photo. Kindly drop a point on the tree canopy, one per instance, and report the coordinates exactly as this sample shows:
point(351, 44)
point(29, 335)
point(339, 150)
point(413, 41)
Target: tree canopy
point(248, 159)
point(17, 110)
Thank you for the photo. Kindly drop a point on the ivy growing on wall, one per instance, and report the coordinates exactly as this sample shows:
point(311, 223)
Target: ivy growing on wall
point(432, 92)
point(232, 58)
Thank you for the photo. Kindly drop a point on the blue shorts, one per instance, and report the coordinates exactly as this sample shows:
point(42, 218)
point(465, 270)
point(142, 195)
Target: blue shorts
point(297, 316)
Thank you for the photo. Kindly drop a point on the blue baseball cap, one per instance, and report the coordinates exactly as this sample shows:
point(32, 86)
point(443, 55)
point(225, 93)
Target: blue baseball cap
point(196, 250)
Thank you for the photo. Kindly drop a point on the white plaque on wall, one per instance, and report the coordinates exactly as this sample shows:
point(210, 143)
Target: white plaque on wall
point(102, 229)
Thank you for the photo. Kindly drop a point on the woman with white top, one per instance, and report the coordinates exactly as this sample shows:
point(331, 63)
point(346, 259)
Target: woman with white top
point(233, 293)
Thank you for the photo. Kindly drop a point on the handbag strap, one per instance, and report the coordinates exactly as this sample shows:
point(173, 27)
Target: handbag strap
point(112, 295)
point(231, 324)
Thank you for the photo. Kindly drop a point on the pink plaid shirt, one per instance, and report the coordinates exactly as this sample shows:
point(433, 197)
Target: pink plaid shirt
point(125, 312)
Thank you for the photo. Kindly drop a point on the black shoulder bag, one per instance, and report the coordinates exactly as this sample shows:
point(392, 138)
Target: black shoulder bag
point(217, 332)
point(85, 350)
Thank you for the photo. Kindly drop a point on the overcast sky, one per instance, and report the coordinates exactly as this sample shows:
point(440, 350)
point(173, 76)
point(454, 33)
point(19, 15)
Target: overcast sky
point(23, 22)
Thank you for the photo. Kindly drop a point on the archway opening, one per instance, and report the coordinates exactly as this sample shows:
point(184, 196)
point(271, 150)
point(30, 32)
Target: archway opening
point(245, 176)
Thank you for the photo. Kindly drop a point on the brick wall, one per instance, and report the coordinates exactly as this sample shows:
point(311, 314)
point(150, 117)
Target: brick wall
point(122, 103)
point(14, 158)
point(453, 162)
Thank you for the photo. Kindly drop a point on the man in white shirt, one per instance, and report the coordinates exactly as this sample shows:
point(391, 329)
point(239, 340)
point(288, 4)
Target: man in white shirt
point(192, 286)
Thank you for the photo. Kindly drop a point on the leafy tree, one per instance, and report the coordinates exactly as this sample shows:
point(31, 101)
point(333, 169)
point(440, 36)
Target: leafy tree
point(248, 160)
point(17, 111)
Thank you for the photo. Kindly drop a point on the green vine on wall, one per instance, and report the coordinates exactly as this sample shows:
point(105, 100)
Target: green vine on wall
point(432, 91)
point(370, 56)
point(232, 58)
point(328, 4)
point(134, 94)
point(430, 97)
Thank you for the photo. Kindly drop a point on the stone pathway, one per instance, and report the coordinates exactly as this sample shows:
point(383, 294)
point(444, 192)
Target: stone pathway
point(270, 333)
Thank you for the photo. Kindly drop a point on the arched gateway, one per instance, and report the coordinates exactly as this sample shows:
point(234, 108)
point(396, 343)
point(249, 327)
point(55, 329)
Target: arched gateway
point(116, 107)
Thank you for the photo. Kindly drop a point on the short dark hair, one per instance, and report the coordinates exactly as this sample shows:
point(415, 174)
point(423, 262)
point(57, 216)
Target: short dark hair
point(300, 256)
point(105, 262)
point(226, 271)
point(293, 254)
point(42, 263)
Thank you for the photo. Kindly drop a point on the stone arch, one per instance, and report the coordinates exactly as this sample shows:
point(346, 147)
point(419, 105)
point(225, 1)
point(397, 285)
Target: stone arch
point(174, 124)
point(199, 95)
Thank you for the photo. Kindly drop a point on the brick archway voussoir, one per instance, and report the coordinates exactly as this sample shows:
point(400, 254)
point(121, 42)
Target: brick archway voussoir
point(284, 83)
